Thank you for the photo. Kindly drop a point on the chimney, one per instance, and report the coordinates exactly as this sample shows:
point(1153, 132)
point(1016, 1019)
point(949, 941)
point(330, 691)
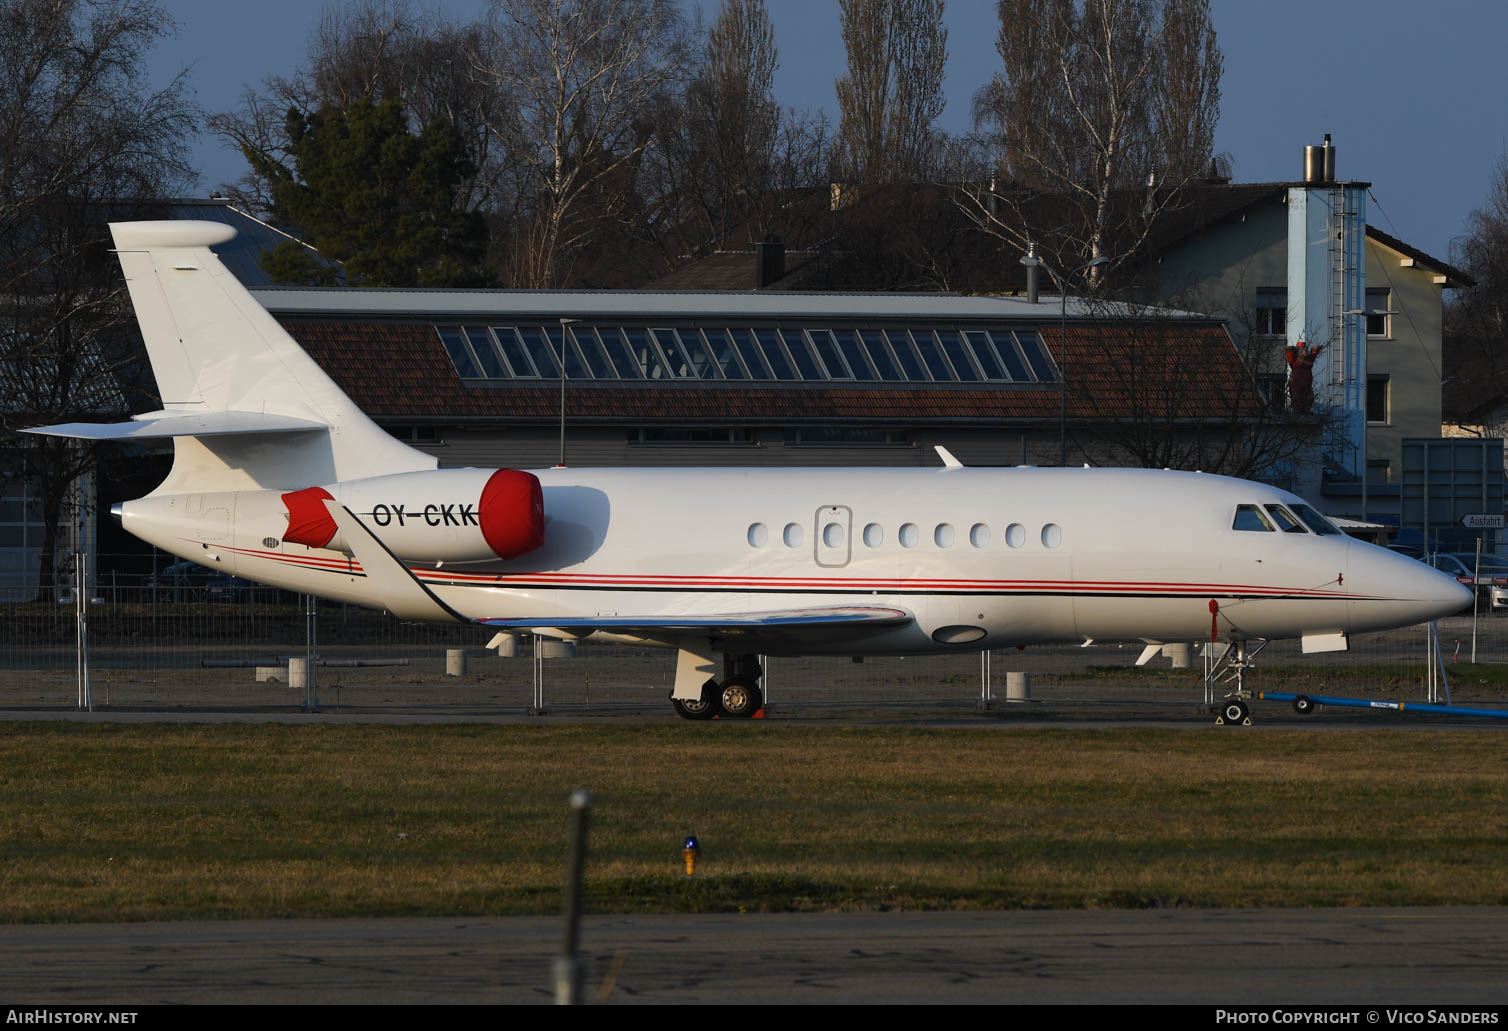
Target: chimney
point(1030, 261)
point(1319, 163)
point(769, 263)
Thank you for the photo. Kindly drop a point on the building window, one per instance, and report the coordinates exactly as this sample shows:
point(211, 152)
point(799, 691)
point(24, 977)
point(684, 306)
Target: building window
point(828, 436)
point(693, 435)
point(1272, 311)
point(1273, 386)
point(1379, 324)
point(925, 352)
point(1379, 471)
point(1378, 389)
point(416, 434)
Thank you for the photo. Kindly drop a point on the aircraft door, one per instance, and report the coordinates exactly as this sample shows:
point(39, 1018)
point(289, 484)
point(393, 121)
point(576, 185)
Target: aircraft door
point(832, 534)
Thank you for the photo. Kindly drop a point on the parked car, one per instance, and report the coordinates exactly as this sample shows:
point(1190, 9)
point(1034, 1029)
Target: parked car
point(1489, 579)
point(1492, 576)
point(189, 581)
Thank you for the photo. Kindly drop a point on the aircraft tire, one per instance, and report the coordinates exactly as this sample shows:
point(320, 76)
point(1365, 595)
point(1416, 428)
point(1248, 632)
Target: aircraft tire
point(1303, 704)
point(739, 698)
point(1234, 711)
point(703, 708)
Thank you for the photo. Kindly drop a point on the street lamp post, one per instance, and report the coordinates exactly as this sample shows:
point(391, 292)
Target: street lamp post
point(563, 331)
point(1032, 261)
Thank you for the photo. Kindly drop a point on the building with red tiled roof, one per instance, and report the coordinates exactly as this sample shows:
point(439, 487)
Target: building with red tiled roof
point(716, 378)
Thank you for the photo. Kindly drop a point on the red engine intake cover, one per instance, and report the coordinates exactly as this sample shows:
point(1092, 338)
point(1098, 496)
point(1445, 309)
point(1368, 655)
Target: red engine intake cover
point(512, 513)
point(309, 522)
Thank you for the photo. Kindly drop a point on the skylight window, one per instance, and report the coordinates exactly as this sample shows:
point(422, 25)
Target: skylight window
point(793, 352)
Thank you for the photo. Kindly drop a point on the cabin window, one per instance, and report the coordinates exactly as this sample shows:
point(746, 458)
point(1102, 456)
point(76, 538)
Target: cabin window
point(832, 535)
point(979, 535)
point(1250, 517)
point(943, 535)
point(873, 535)
point(909, 535)
point(792, 535)
point(1052, 535)
point(1285, 520)
point(759, 535)
point(1015, 535)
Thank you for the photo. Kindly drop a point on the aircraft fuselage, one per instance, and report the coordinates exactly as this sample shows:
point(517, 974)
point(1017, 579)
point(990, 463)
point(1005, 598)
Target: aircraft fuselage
point(983, 558)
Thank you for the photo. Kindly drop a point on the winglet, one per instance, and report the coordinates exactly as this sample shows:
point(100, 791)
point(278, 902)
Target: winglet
point(393, 584)
point(947, 457)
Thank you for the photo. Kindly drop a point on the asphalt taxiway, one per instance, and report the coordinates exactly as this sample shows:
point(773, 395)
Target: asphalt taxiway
point(1354, 957)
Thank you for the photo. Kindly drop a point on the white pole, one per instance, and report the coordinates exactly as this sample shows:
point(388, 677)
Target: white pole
point(1476, 599)
point(563, 331)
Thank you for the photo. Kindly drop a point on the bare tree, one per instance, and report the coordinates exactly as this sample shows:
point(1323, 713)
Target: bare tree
point(83, 139)
point(892, 93)
point(727, 166)
point(736, 93)
point(1476, 319)
point(1167, 392)
point(1103, 110)
point(583, 77)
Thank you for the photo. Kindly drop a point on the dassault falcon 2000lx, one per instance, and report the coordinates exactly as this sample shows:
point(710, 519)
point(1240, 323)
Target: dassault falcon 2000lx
point(278, 477)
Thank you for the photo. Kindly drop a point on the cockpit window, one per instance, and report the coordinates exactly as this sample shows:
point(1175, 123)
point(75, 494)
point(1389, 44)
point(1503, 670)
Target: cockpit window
point(1285, 519)
point(1250, 517)
point(1316, 522)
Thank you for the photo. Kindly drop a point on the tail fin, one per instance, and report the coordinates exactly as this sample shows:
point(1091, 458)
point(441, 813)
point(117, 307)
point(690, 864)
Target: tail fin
point(219, 355)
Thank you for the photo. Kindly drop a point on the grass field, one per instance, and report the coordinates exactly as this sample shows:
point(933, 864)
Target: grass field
point(134, 822)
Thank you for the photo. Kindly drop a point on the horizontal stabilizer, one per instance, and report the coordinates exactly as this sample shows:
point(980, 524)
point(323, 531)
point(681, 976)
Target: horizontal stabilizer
point(209, 424)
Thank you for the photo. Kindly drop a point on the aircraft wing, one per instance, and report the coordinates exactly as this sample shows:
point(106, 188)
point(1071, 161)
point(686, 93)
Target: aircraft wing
point(774, 626)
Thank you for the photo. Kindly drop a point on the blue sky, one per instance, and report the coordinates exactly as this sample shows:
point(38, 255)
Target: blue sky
point(1412, 93)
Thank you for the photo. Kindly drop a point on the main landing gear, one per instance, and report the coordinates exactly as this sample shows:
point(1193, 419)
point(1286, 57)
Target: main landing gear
point(735, 696)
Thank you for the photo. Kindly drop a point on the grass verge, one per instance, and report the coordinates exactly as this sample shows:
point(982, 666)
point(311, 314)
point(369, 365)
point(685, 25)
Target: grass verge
point(132, 822)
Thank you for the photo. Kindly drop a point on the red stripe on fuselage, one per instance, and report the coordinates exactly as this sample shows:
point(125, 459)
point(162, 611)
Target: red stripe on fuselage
point(766, 583)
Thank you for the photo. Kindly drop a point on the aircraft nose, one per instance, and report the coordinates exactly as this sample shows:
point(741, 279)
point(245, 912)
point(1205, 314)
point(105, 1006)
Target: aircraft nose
point(1390, 590)
point(1435, 594)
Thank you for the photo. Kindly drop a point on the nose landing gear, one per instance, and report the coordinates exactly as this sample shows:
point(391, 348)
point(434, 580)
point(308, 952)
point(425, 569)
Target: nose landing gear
point(1230, 667)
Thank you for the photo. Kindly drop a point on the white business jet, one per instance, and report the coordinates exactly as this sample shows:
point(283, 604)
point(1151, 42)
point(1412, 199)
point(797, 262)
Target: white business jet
point(278, 477)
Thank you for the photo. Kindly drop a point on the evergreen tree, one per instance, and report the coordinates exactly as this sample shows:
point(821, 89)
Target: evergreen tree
point(381, 200)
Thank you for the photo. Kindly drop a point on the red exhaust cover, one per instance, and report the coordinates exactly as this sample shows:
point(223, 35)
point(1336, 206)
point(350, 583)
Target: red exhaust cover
point(309, 522)
point(512, 513)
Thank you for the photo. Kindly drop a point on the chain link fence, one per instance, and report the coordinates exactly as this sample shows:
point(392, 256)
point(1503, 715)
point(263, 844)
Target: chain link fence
point(196, 642)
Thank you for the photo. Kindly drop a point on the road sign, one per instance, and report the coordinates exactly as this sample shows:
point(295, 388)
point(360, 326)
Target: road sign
point(1483, 521)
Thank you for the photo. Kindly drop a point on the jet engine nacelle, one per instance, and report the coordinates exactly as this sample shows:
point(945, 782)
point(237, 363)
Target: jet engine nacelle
point(442, 515)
